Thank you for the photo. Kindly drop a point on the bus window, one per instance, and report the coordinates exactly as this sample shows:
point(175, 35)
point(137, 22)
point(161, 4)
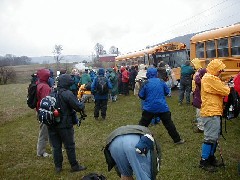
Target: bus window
point(163, 57)
point(150, 60)
point(210, 49)
point(140, 61)
point(200, 50)
point(180, 58)
point(235, 46)
point(174, 58)
point(223, 47)
point(227, 45)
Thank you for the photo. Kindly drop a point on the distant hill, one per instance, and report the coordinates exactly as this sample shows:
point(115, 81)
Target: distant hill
point(66, 59)
point(79, 58)
point(183, 39)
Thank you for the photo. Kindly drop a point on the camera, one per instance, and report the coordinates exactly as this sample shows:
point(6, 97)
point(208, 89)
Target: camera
point(78, 121)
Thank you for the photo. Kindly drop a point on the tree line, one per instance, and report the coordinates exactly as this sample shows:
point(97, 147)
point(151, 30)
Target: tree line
point(7, 72)
point(11, 60)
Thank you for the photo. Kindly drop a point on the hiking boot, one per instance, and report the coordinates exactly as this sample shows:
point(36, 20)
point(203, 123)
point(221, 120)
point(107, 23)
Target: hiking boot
point(214, 162)
point(182, 141)
point(197, 130)
point(205, 165)
point(104, 117)
point(45, 154)
point(96, 118)
point(58, 170)
point(77, 168)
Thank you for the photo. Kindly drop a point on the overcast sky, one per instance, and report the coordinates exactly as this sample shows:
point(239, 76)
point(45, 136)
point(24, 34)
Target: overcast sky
point(33, 27)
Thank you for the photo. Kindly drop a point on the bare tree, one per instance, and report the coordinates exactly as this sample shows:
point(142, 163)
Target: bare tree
point(57, 54)
point(113, 50)
point(6, 73)
point(99, 49)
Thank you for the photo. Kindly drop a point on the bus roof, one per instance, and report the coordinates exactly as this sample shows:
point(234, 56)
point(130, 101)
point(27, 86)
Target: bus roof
point(217, 33)
point(159, 48)
point(129, 56)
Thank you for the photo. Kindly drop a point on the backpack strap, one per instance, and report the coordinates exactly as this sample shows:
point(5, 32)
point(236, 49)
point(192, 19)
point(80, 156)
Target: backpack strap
point(156, 159)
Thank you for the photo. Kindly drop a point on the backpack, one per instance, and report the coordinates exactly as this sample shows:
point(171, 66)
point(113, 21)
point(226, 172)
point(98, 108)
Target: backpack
point(232, 105)
point(88, 86)
point(94, 176)
point(49, 110)
point(32, 95)
point(102, 86)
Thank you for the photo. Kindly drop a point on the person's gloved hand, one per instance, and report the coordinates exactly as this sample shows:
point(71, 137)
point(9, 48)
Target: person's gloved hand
point(81, 104)
point(145, 144)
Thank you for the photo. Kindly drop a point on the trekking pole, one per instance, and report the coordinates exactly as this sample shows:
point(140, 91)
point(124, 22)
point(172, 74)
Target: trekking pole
point(220, 152)
point(221, 127)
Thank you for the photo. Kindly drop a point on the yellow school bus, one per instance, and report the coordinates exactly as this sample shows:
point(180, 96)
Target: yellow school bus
point(222, 43)
point(174, 54)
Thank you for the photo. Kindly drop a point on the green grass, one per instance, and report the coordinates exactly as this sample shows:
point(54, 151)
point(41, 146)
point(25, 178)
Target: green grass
point(19, 131)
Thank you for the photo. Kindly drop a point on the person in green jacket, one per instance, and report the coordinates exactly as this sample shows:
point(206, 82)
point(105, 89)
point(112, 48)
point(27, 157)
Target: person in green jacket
point(187, 72)
point(85, 78)
point(114, 81)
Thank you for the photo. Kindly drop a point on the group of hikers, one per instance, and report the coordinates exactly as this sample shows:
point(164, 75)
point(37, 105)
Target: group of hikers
point(131, 148)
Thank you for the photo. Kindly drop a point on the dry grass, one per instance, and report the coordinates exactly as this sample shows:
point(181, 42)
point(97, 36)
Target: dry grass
point(13, 102)
point(24, 72)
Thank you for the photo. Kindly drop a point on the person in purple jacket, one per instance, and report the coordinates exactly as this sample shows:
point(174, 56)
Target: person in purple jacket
point(197, 98)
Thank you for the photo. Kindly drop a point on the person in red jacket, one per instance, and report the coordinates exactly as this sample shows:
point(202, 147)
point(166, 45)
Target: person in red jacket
point(43, 89)
point(125, 81)
point(236, 81)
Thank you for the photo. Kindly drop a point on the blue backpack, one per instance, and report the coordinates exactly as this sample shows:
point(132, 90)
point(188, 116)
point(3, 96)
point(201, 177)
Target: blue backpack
point(49, 111)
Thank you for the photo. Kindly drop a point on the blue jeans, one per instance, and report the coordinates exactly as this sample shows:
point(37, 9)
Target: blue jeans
point(128, 160)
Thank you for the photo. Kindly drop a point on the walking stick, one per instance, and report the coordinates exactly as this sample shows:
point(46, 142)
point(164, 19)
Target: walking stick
point(220, 152)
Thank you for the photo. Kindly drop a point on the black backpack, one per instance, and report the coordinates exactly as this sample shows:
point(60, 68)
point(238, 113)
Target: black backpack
point(232, 106)
point(32, 95)
point(94, 176)
point(49, 111)
point(88, 86)
point(102, 85)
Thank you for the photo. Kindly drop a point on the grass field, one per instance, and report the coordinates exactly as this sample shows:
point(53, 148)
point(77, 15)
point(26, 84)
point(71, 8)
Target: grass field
point(19, 131)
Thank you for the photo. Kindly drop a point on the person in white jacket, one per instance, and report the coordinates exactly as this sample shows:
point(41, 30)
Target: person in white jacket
point(141, 76)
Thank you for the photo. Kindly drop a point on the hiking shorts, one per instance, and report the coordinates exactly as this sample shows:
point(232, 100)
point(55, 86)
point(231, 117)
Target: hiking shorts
point(128, 160)
point(211, 128)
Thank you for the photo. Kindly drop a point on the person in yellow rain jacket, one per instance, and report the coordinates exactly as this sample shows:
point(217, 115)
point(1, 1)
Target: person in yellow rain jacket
point(197, 66)
point(212, 92)
point(84, 93)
